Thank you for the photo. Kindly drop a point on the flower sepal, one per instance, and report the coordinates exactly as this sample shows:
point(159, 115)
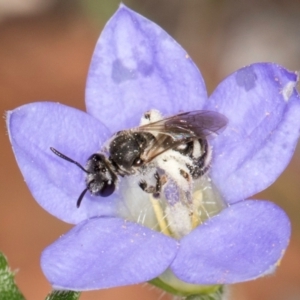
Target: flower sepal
point(218, 295)
point(173, 285)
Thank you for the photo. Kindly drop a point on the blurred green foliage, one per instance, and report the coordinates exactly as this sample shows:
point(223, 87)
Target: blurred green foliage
point(8, 288)
point(100, 11)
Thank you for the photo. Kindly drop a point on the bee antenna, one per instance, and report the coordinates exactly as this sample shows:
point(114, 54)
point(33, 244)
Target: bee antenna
point(59, 154)
point(81, 197)
point(83, 193)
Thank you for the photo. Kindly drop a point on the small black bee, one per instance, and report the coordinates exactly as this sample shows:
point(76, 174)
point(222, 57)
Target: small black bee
point(161, 148)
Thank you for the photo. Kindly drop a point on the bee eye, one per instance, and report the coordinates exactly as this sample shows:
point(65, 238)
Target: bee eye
point(137, 162)
point(107, 189)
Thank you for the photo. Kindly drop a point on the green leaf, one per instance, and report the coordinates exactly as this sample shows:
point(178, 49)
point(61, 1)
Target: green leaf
point(100, 10)
point(63, 295)
point(8, 288)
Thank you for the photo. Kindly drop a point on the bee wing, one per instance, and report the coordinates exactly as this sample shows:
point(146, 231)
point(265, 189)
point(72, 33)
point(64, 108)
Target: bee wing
point(182, 128)
point(162, 143)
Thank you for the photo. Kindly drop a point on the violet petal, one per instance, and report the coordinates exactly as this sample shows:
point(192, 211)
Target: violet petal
point(55, 183)
point(107, 252)
point(136, 67)
point(243, 242)
point(263, 109)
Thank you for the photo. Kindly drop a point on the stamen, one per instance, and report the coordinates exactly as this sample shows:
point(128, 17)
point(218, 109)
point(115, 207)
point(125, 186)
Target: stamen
point(159, 216)
point(197, 201)
point(144, 217)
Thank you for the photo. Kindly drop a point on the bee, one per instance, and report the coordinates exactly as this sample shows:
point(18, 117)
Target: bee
point(160, 149)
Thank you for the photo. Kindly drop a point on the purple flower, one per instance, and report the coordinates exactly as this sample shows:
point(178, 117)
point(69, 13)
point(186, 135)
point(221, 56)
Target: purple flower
point(137, 66)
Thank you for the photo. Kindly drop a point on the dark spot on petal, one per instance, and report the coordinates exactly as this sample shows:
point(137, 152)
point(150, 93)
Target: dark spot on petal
point(144, 68)
point(120, 73)
point(246, 78)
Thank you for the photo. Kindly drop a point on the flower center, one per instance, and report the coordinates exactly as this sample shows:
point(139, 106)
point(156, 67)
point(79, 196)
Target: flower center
point(174, 213)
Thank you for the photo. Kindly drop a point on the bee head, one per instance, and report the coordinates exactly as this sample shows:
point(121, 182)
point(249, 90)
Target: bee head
point(100, 178)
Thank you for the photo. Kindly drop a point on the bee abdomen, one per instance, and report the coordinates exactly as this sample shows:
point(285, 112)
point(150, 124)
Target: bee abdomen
point(201, 163)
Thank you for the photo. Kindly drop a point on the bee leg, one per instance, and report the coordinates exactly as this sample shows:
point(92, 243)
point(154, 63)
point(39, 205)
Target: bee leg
point(143, 185)
point(155, 190)
point(151, 116)
point(156, 194)
point(186, 176)
point(148, 189)
point(187, 193)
